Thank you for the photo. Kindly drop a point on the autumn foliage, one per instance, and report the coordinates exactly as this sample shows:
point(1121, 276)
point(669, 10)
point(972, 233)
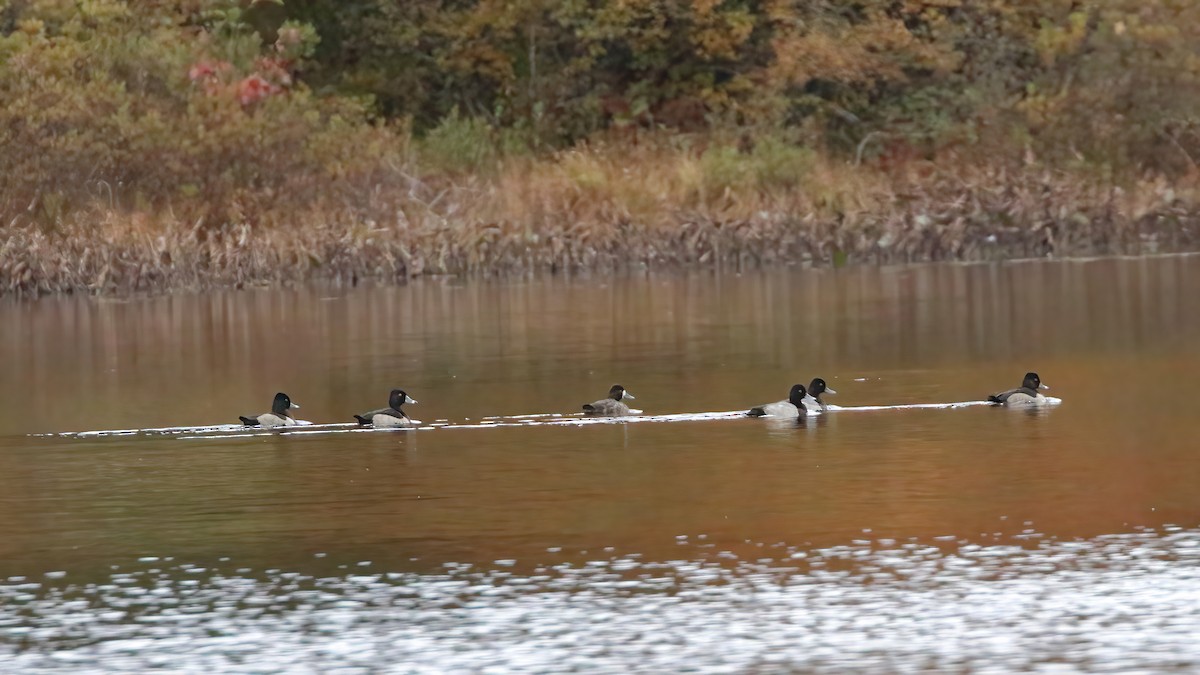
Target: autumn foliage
point(109, 103)
point(225, 122)
point(1104, 82)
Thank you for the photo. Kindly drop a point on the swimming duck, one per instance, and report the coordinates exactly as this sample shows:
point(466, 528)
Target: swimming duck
point(612, 406)
point(792, 407)
point(392, 416)
point(278, 417)
point(815, 388)
point(1026, 394)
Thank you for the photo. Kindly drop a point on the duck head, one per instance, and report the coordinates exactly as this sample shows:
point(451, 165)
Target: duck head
point(818, 387)
point(1032, 381)
point(398, 398)
point(618, 393)
point(282, 404)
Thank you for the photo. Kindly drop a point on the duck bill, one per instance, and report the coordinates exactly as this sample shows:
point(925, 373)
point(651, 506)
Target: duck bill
point(1043, 386)
point(295, 405)
point(830, 391)
point(409, 399)
point(627, 395)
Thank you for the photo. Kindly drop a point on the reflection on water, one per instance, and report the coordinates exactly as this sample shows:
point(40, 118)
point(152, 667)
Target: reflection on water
point(701, 342)
point(728, 513)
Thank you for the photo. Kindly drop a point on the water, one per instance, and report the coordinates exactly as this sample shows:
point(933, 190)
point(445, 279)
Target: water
point(504, 534)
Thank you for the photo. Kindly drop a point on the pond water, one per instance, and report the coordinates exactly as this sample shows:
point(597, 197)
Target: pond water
point(504, 534)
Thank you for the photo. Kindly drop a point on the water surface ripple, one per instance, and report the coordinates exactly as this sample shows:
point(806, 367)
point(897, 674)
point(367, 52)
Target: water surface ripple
point(911, 529)
point(1110, 604)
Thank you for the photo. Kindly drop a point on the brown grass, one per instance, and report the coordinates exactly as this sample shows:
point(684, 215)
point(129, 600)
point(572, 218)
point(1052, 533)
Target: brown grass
point(604, 208)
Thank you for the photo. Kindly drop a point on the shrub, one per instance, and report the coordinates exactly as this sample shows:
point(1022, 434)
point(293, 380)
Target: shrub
point(126, 109)
point(458, 145)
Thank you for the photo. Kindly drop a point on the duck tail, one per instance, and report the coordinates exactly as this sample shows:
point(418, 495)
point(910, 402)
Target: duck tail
point(362, 420)
point(995, 398)
point(250, 422)
point(589, 408)
point(756, 412)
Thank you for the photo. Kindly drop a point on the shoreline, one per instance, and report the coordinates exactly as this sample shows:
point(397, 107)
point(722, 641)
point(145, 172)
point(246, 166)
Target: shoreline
point(141, 270)
point(133, 275)
point(540, 221)
point(335, 284)
point(159, 148)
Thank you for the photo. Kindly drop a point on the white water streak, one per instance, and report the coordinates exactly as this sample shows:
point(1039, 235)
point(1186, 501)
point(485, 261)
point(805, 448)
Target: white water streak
point(528, 420)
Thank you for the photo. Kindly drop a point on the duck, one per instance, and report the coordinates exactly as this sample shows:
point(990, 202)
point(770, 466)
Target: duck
point(393, 415)
point(612, 406)
point(1025, 395)
point(792, 407)
point(278, 417)
point(813, 399)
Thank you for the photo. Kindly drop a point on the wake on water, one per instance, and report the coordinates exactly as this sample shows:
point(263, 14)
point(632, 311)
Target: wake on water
point(305, 428)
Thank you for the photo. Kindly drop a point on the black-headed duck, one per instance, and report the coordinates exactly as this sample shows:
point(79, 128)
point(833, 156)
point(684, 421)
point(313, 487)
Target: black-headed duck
point(391, 416)
point(792, 407)
point(612, 406)
point(278, 417)
point(1025, 395)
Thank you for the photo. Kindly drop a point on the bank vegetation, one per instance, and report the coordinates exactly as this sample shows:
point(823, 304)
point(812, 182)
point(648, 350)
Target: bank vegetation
point(161, 144)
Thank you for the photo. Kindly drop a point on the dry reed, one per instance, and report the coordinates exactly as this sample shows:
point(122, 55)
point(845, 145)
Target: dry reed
point(603, 209)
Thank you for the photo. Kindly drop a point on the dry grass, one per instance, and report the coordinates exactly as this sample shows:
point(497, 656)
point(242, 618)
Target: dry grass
point(605, 208)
